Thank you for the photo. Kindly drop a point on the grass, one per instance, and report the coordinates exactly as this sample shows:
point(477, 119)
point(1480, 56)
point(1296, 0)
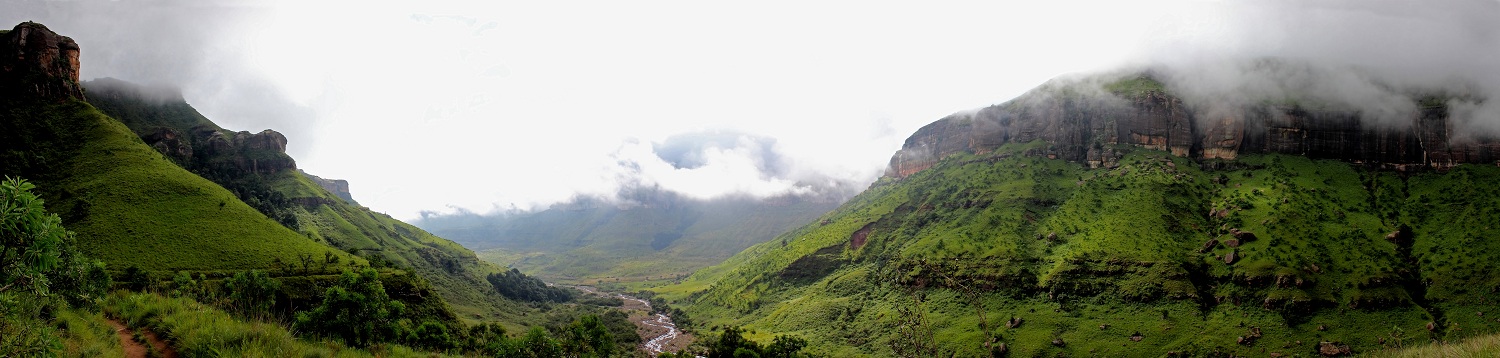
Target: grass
point(315, 219)
point(133, 207)
point(1481, 346)
point(1092, 255)
point(195, 329)
point(87, 334)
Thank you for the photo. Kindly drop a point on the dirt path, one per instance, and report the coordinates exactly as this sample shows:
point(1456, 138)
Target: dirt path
point(135, 349)
point(132, 348)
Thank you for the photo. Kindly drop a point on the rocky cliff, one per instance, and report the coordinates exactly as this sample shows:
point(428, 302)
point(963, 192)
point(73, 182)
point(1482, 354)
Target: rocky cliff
point(34, 61)
point(1079, 119)
point(166, 122)
point(338, 187)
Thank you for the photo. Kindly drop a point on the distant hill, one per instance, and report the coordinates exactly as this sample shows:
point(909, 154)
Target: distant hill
point(1098, 218)
point(661, 235)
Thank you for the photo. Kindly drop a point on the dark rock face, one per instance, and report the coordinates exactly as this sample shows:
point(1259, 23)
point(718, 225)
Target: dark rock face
point(38, 62)
point(211, 149)
point(1077, 123)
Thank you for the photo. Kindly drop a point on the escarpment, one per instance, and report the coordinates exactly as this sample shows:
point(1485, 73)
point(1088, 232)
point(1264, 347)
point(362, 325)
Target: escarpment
point(167, 123)
point(1077, 123)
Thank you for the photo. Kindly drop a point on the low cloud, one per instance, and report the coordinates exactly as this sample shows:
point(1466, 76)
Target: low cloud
point(1377, 58)
point(715, 165)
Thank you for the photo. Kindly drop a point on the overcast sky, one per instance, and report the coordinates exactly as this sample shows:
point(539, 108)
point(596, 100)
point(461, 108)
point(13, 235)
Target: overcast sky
point(482, 105)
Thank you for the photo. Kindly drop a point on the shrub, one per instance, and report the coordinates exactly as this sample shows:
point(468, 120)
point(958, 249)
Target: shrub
point(252, 293)
point(356, 310)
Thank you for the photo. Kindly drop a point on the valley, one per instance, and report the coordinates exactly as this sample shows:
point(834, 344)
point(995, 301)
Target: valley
point(615, 182)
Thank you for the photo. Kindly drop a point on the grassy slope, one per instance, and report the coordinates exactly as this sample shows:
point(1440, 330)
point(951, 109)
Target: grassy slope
point(130, 205)
point(1481, 346)
point(971, 236)
point(634, 244)
point(453, 271)
point(195, 330)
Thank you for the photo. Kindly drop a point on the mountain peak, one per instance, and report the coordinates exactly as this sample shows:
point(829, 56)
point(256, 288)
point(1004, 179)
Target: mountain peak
point(34, 61)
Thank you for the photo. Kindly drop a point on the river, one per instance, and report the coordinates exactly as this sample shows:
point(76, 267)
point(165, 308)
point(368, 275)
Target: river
point(657, 331)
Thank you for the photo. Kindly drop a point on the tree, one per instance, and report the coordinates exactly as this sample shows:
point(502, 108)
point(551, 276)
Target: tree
point(39, 269)
point(588, 337)
point(356, 310)
point(432, 335)
point(731, 341)
point(536, 344)
point(30, 238)
point(784, 347)
point(252, 293)
point(732, 344)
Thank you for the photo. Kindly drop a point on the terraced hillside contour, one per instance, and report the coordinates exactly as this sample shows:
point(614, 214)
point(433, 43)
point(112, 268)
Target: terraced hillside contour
point(1032, 246)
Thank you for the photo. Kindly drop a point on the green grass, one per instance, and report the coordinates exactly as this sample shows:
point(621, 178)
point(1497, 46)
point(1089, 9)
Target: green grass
point(197, 330)
point(1480, 346)
point(313, 216)
point(133, 207)
point(1071, 249)
point(87, 334)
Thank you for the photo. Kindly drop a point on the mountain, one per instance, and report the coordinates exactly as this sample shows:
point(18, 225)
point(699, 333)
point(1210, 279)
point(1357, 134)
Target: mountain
point(1106, 217)
point(1139, 111)
point(256, 168)
point(659, 235)
point(147, 182)
point(129, 204)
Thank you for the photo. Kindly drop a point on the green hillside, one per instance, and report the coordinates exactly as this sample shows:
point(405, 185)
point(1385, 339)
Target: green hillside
point(129, 204)
point(664, 239)
point(304, 207)
point(1115, 261)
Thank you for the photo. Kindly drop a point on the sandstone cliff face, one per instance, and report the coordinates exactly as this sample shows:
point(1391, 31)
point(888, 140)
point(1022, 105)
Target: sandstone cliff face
point(35, 61)
point(1077, 125)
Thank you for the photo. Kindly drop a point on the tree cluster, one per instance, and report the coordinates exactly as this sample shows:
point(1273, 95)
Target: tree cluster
point(732, 344)
point(517, 286)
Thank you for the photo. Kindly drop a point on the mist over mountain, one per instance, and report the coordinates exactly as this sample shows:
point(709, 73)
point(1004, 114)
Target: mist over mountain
point(643, 234)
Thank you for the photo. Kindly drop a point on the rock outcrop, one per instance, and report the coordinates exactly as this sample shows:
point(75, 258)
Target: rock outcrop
point(223, 152)
point(34, 61)
point(338, 187)
point(166, 122)
point(1078, 123)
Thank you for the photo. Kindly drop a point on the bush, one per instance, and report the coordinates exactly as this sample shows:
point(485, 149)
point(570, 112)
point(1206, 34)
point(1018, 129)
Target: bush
point(252, 293)
point(356, 310)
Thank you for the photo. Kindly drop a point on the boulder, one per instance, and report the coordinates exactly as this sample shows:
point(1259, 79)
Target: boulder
point(1209, 246)
point(1331, 349)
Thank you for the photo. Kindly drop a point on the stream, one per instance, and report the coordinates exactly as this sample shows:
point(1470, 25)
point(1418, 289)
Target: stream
point(658, 331)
